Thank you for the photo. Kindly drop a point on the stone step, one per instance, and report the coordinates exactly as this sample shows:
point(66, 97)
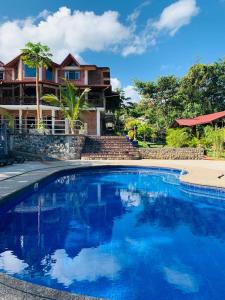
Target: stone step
point(121, 151)
point(108, 147)
point(109, 158)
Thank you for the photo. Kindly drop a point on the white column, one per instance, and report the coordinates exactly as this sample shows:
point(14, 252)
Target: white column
point(13, 75)
point(40, 74)
point(20, 75)
point(98, 122)
point(56, 75)
point(67, 126)
point(86, 77)
point(20, 120)
point(53, 121)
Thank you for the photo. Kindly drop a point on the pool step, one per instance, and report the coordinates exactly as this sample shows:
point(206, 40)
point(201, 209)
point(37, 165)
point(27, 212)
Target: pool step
point(109, 148)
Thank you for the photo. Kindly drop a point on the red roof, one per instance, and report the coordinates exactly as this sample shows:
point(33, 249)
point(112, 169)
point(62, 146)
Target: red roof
point(206, 119)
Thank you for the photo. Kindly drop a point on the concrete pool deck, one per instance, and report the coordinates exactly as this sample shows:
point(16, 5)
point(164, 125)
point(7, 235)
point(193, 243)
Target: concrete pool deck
point(17, 177)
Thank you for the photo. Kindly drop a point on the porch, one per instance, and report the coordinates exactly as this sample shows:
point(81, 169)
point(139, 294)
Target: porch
point(24, 120)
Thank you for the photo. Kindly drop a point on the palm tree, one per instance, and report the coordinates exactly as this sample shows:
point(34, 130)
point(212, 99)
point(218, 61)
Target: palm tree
point(36, 56)
point(70, 102)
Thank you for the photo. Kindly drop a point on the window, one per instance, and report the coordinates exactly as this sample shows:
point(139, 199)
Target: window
point(1, 75)
point(29, 72)
point(49, 74)
point(72, 75)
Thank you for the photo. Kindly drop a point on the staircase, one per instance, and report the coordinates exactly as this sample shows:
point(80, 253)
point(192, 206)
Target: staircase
point(109, 148)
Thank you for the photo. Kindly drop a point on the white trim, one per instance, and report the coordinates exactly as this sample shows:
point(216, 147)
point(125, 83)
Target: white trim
point(73, 68)
point(53, 121)
point(40, 74)
point(98, 122)
point(56, 75)
point(86, 77)
point(20, 73)
point(29, 107)
point(20, 120)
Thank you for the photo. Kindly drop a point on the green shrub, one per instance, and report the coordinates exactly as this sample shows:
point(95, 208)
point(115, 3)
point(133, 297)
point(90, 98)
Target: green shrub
point(131, 134)
point(131, 123)
point(177, 138)
point(194, 142)
point(218, 142)
point(145, 131)
point(213, 140)
point(207, 138)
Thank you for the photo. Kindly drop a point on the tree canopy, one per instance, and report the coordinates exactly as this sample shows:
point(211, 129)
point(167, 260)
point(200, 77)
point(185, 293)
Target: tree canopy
point(200, 91)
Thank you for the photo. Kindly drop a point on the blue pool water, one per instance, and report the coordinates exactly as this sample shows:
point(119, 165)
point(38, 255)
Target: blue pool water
point(121, 233)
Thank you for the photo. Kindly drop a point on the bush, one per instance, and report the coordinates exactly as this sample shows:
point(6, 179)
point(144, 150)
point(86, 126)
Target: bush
point(213, 139)
point(131, 123)
point(131, 134)
point(194, 142)
point(177, 138)
point(207, 139)
point(145, 131)
point(218, 142)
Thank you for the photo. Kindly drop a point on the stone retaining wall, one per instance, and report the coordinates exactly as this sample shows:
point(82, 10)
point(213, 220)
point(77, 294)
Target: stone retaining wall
point(48, 147)
point(172, 153)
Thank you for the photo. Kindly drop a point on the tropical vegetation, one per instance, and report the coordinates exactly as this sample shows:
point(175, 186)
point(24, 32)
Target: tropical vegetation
point(36, 56)
point(70, 102)
point(200, 91)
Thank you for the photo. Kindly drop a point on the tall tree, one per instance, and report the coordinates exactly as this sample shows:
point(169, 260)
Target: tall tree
point(160, 96)
point(70, 102)
point(36, 56)
point(202, 89)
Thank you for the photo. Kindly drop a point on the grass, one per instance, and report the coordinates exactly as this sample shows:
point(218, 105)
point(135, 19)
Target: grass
point(143, 144)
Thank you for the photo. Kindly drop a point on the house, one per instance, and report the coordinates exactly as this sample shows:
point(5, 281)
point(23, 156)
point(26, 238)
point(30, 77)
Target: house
point(18, 96)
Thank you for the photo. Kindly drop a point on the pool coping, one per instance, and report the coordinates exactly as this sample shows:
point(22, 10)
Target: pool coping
point(16, 185)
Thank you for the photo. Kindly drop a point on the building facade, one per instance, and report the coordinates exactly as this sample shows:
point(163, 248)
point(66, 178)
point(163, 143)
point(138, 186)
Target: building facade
point(18, 95)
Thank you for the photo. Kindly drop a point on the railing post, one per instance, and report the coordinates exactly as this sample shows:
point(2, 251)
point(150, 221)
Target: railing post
point(66, 126)
point(98, 122)
point(20, 120)
point(53, 121)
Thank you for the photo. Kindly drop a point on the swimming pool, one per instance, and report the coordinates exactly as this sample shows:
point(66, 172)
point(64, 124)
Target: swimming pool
point(117, 233)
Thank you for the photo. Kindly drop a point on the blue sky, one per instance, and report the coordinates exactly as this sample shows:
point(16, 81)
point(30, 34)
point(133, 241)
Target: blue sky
point(136, 39)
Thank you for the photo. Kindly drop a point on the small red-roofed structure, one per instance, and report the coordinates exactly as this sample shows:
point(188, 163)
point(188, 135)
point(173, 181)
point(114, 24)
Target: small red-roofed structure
point(200, 120)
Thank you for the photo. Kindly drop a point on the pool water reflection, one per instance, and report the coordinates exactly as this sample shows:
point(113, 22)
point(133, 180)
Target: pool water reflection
point(125, 233)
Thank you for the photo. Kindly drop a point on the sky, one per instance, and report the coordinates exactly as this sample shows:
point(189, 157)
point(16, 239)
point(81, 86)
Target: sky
point(136, 39)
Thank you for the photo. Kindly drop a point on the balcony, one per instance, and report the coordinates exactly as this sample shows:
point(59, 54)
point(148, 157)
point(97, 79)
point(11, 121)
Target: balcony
point(95, 78)
point(96, 103)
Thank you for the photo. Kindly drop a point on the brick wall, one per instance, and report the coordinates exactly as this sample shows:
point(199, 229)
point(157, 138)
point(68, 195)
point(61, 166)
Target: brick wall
point(90, 117)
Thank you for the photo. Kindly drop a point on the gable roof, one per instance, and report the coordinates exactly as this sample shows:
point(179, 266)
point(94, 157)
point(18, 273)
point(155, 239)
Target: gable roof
point(1, 64)
point(205, 119)
point(17, 58)
point(69, 58)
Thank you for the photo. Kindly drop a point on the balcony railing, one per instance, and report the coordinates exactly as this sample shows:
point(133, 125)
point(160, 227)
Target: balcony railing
point(32, 101)
point(49, 126)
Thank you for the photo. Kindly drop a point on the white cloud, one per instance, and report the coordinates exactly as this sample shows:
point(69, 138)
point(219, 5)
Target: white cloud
point(64, 31)
point(116, 84)
point(85, 266)
point(76, 31)
point(177, 15)
point(129, 90)
point(131, 93)
point(181, 279)
point(11, 264)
